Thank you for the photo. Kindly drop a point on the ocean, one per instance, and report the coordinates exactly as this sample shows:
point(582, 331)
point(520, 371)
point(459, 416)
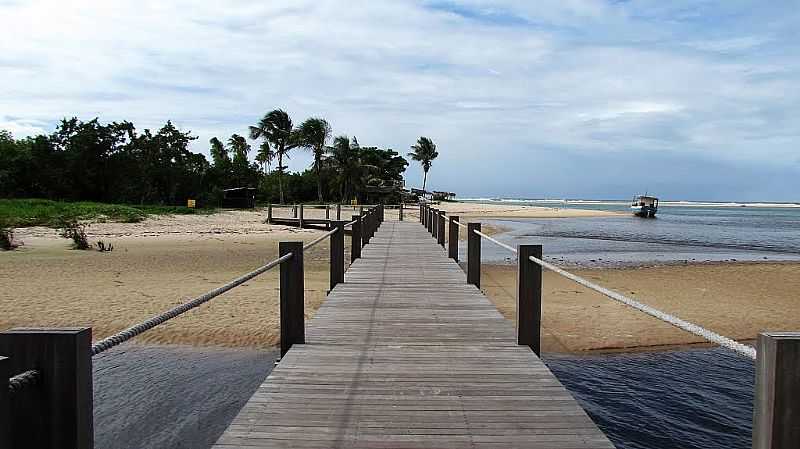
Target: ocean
point(681, 233)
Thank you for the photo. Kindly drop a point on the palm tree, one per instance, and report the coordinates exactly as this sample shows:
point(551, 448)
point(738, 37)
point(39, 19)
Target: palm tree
point(424, 153)
point(314, 134)
point(239, 147)
point(265, 157)
point(346, 160)
point(276, 128)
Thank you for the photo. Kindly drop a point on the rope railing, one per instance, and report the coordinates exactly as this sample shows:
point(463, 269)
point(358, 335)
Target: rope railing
point(23, 380)
point(713, 337)
point(68, 380)
point(125, 335)
point(319, 239)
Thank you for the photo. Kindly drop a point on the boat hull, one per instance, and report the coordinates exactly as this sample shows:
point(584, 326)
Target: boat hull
point(644, 211)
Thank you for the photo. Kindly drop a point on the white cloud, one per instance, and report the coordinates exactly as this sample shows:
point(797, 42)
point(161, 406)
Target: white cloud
point(581, 76)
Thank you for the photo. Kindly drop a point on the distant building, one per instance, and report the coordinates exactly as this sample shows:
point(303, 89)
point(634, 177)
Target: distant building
point(239, 198)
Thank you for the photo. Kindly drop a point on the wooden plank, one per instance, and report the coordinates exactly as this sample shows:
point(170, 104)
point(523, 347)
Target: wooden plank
point(405, 354)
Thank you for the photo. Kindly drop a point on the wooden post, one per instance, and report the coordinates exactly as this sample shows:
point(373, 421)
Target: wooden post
point(365, 229)
point(58, 412)
point(292, 294)
point(327, 211)
point(5, 403)
point(338, 211)
point(473, 254)
point(337, 254)
point(776, 414)
point(294, 211)
point(355, 238)
point(269, 213)
point(440, 233)
point(400, 213)
point(422, 214)
point(361, 210)
point(452, 239)
point(300, 220)
point(431, 220)
point(529, 298)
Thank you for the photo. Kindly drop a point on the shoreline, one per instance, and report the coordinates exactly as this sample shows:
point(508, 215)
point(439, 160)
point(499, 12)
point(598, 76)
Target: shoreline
point(165, 260)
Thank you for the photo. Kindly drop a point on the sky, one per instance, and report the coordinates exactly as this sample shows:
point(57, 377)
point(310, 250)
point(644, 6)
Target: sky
point(695, 100)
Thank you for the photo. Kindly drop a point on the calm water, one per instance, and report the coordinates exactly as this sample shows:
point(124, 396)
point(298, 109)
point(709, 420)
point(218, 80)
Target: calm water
point(171, 397)
point(690, 399)
point(149, 397)
point(678, 234)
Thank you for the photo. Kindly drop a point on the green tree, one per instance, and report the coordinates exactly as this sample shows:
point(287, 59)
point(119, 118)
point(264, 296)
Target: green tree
point(313, 135)
point(276, 128)
point(265, 157)
point(424, 152)
point(219, 155)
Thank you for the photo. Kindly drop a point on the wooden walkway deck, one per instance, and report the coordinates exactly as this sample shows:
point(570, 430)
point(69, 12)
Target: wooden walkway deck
point(406, 354)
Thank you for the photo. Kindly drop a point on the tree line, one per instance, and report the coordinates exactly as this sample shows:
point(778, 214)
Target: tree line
point(116, 163)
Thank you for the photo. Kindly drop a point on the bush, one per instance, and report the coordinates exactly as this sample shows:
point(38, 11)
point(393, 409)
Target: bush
point(71, 229)
point(7, 242)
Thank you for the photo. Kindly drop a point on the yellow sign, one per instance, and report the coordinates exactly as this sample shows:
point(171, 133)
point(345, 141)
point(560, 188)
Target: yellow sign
point(190, 203)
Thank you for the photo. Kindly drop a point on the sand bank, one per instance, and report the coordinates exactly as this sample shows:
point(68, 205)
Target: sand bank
point(155, 265)
point(479, 210)
point(736, 300)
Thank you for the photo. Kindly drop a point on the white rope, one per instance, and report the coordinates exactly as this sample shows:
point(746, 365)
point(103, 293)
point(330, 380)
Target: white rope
point(510, 248)
point(713, 337)
point(700, 331)
point(321, 238)
point(125, 335)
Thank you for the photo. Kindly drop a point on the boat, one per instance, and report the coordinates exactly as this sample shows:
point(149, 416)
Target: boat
point(644, 206)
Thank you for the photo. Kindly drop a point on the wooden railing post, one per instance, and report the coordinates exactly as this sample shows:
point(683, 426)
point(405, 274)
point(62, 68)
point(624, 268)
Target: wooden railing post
point(337, 254)
point(5, 403)
point(452, 239)
point(300, 221)
point(400, 214)
point(422, 214)
point(292, 294)
point(473, 255)
point(440, 232)
point(338, 211)
point(294, 211)
point(328, 212)
point(429, 223)
point(776, 413)
point(365, 231)
point(355, 238)
point(57, 413)
point(269, 213)
point(529, 298)
point(432, 224)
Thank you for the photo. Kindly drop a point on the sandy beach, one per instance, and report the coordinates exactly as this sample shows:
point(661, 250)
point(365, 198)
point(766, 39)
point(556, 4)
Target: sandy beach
point(478, 210)
point(165, 260)
point(738, 300)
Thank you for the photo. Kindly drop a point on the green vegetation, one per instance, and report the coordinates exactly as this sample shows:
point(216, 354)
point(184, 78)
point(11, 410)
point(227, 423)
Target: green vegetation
point(115, 163)
point(32, 212)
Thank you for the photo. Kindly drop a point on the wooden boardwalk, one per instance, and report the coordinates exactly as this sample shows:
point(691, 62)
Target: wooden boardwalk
point(406, 354)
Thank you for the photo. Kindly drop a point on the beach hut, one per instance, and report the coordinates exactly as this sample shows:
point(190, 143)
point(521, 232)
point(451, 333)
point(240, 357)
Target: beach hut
point(239, 198)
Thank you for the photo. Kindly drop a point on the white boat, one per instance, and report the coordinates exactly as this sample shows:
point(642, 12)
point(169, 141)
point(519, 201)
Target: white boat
point(645, 206)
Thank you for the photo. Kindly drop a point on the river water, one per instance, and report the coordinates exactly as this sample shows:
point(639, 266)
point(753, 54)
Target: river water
point(149, 397)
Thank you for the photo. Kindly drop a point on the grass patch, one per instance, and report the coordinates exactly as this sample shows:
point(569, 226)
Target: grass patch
point(20, 213)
